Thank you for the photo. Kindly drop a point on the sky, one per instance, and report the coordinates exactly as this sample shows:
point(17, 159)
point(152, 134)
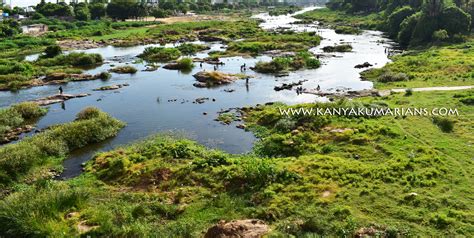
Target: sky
point(26, 3)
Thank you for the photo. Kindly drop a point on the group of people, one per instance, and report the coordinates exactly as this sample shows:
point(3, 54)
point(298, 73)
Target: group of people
point(390, 52)
point(300, 90)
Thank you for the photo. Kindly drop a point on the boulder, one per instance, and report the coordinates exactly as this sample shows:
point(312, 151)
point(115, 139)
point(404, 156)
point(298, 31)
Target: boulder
point(213, 78)
point(58, 98)
point(111, 87)
point(364, 65)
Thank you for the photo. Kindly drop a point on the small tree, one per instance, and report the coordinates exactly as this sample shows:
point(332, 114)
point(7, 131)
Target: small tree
point(97, 10)
point(440, 35)
point(455, 20)
point(52, 51)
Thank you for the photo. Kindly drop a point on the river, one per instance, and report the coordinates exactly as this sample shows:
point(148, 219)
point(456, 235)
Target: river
point(161, 101)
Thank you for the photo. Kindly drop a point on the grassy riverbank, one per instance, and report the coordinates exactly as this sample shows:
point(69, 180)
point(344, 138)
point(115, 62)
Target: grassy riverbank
point(308, 175)
point(39, 156)
point(336, 19)
point(449, 65)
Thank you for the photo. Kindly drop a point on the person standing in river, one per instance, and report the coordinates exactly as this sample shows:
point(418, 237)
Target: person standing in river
point(60, 90)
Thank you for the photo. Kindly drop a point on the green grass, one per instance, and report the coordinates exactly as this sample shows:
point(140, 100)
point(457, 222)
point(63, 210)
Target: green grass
point(437, 66)
point(400, 175)
point(19, 115)
point(31, 158)
point(301, 60)
point(341, 18)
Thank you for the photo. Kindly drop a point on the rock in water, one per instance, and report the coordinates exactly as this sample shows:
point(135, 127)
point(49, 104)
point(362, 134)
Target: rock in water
point(364, 65)
point(213, 78)
point(249, 228)
point(58, 98)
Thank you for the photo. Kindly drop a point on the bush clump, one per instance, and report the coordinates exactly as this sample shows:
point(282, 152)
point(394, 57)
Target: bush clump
point(124, 70)
point(18, 114)
point(18, 159)
point(445, 124)
point(73, 59)
point(191, 49)
point(160, 54)
point(300, 60)
point(390, 76)
point(347, 30)
point(338, 48)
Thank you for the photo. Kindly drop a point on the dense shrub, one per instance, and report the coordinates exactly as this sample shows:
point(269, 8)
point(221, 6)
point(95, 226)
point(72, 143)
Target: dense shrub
point(191, 49)
point(18, 114)
point(396, 18)
point(160, 54)
point(72, 59)
point(347, 30)
point(17, 159)
point(124, 69)
point(185, 63)
point(29, 110)
point(52, 51)
point(454, 21)
point(445, 124)
point(390, 76)
point(298, 61)
point(338, 48)
point(406, 29)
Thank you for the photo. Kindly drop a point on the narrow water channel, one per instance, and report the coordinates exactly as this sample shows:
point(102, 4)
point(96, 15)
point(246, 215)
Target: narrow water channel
point(161, 101)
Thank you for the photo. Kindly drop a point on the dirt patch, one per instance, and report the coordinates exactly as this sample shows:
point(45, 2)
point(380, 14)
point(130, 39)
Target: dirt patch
point(249, 228)
point(82, 227)
point(326, 194)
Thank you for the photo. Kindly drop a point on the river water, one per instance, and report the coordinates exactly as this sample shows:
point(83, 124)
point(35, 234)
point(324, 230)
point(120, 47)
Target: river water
point(161, 101)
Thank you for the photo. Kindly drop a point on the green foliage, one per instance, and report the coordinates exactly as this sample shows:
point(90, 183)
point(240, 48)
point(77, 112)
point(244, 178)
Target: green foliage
point(191, 49)
point(9, 28)
point(454, 20)
point(283, 10)
point(18, 159)
point(34, 210)
point(185, 63)
point(375, 176)
point(440, 35)
point(54, 10)
point(445, 124)
point(437, 66)
point(300, 60)
point(410, 22)
point(338, 48)
point(18, 115)
point(396, 18)
point(29, 110)
point(72, 59)
point(52, 51)
point(347, 30)
point(127, 69)
point(160, 54)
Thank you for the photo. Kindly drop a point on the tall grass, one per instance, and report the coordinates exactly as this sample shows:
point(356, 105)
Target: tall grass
point(17, 159)
point(18, 114)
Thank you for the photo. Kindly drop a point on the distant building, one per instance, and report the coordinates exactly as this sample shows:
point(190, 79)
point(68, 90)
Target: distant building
point(152, 2)
point(35, 29)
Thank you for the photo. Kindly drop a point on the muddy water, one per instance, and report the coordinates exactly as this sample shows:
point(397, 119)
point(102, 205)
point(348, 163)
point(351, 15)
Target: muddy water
point(161, 101)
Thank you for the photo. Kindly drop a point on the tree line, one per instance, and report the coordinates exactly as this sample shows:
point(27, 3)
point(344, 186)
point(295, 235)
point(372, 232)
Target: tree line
point(414, 22)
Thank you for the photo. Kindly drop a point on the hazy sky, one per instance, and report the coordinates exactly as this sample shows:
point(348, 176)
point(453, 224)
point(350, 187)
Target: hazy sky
point(26, 3)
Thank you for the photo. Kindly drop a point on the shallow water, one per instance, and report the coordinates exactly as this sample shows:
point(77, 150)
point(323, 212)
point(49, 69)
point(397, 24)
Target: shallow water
point(145, 105)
